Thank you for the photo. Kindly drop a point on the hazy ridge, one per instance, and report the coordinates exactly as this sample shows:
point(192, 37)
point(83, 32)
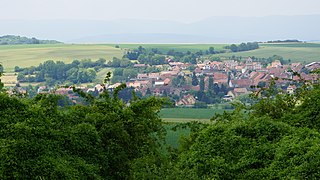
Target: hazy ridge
point(210, 30)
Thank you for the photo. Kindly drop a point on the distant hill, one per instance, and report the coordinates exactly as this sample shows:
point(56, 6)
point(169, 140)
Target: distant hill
point(210, 30)
point(11, 39)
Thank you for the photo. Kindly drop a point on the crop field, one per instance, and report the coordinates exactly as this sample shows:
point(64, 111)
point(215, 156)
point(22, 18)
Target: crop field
point(174, 116)
point(296, 52)
point(32, 55)
point(187, 114)
point(176, 47)
point(9, 79)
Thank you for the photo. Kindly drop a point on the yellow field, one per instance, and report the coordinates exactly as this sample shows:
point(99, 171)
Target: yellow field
point(33, 55)
point(9, 79)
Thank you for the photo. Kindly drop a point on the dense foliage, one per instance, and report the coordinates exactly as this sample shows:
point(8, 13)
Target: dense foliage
point(53, 72)
point(42, 138)
point(275, 137)
point(10, 39)
point(243, 47)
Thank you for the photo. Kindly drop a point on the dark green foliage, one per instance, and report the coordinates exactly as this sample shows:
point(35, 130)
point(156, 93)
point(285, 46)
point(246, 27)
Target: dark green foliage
point(10, 39)
point(202, 85)
point(178, 81)
point(41, 140)
point(195, 80)
point(277, 138)
point(77, 72)
point(243, 47)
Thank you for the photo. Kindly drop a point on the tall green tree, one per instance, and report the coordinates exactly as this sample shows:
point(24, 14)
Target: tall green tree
point(202, 85)
point(195, 80)
point(210, 84)
point(95, 141)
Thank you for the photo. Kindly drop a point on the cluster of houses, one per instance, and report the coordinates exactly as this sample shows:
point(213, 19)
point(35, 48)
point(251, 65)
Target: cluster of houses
point(237, 77)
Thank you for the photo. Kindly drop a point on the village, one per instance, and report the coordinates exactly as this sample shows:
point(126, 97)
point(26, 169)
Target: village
point(238, 78)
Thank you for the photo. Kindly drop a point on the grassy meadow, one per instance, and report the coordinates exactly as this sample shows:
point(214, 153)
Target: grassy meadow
point(296, 52)
point(183, 115)
point(32, 55)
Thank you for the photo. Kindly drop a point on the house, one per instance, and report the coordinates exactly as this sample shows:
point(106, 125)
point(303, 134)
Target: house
point(229, 96)
point(313, 66)
point(240, 91)
point(167, 81)
point(145, 83)
point(113, 86)
point(291, 89)
point(187, 100)
point(242, 83)
point(198, 72)
point(99, 87)
point(63, 91)
point(142, 76)
point(156, 92)
point(159, 83)
point(42, 89)
point(172, 64)
point(231, 64)
point(296, 67)
point(154, 76)
point(140, 65)
point(135, 84)
point(276, 64)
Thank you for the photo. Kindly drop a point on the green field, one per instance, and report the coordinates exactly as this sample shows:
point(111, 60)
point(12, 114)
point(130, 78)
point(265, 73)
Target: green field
point(296, 52)
point(32, 55)
point(187, 114)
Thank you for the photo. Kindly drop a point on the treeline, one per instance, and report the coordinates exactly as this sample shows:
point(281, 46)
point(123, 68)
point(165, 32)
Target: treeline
point(11, 40)
point(243, 47)
point(155, 56)
point(53, 72)
point(285, 41)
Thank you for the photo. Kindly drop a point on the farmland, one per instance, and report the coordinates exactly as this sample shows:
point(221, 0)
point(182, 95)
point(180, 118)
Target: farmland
point(32, 55)
point(183, 115)
point(296, 52)
point(174, 116)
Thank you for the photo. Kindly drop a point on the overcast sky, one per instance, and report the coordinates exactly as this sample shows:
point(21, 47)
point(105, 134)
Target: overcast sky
point(175, 10)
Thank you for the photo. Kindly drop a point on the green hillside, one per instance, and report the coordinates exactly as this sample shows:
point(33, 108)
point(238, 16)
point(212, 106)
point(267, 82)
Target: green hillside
point(11, 39)
point(32, 55)
point(296, 52)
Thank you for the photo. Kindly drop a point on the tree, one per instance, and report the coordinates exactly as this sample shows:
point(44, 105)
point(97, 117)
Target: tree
point(1, 84)
point(178, 81)
point(202, 85)
point(210, 84)
point(234, 48)
point(211, 50)
point(195, 81)
point(95, 141)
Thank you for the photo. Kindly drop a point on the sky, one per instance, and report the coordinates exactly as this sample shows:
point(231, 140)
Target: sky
point(173, 10)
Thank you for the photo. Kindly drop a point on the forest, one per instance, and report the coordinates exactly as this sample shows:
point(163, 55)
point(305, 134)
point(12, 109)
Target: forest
point(47, 137)
point(12, 40)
